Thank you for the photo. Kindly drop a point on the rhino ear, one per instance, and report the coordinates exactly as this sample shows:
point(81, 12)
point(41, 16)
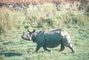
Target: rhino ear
point(23, 33)
point(34, 30)
point(28, 30)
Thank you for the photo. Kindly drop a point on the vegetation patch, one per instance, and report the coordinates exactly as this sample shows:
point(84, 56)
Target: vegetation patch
point(13, 23)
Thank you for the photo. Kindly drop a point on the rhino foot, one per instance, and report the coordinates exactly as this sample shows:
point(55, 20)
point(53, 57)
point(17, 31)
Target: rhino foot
point(46, 49)
point(61, 49)
point(72, 49)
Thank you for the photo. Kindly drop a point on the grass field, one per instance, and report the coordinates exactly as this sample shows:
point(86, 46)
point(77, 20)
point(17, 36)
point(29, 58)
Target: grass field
point(12, 47)
point(12, 25)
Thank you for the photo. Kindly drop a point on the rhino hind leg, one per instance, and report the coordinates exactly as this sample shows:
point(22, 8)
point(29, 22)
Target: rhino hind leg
point(71, 47)
point(67, 42)
point(44, 47)
point(62, 47)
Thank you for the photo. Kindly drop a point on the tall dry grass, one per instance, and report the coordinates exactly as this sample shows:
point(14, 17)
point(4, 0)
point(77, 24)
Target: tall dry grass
point(10, 20)
point(45, 16)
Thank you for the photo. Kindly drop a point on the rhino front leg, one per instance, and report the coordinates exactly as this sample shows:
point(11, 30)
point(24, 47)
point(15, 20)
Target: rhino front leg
point(44, 47)
point(38, 47)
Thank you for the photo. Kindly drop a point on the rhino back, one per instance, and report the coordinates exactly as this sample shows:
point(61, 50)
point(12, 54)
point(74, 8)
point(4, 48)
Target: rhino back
point(49, 38)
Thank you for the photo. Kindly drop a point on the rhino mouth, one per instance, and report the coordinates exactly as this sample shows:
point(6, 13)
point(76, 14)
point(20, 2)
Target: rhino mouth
point(26, 38)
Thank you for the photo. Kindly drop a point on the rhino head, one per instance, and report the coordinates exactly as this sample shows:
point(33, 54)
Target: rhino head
point(30, 36)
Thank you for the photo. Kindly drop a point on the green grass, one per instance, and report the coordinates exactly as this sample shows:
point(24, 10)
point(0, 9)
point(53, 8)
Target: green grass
point(12, 47)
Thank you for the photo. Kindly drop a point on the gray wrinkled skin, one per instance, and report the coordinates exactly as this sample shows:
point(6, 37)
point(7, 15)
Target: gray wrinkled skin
point(49, 39)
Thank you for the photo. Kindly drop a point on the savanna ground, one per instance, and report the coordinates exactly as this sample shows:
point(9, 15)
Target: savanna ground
point(12, 25)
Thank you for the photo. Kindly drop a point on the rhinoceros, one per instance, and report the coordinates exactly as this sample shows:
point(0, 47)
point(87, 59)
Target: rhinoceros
point(49, 39)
